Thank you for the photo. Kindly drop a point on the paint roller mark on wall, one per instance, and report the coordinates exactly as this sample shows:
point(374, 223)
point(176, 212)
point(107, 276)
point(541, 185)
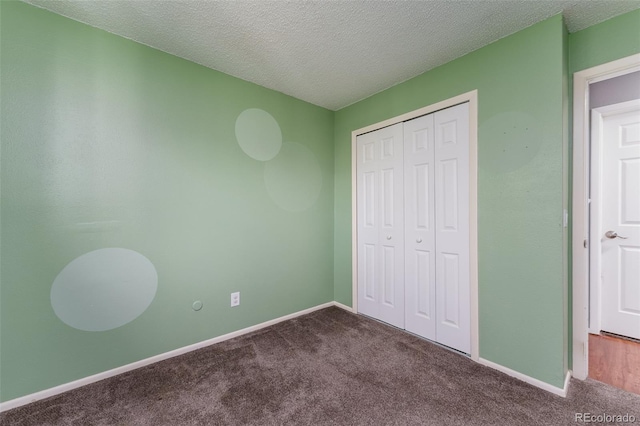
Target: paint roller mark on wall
point(104, 289)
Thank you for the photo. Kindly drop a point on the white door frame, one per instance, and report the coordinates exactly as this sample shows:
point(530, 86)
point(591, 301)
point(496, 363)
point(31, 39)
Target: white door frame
point(580, 216)
point(472, 99)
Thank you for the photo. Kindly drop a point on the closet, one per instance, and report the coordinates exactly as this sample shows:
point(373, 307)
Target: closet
point(412, 184)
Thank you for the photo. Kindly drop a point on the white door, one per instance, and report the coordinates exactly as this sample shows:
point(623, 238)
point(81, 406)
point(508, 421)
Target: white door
point(615, 230)
point(380, 234)
point(453, 298)
point(420, 237)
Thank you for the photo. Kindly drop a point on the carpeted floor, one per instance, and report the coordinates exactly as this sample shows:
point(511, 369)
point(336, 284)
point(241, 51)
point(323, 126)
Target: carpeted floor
point(328, 367)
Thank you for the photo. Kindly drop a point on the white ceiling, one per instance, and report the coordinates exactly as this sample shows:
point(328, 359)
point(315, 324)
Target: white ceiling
point(329, 53)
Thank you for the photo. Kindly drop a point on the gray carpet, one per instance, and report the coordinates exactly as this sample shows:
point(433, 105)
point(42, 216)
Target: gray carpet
point(326, 368)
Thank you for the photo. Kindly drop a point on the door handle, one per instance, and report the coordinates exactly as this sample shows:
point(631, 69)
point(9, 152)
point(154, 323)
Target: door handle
point(612, 235)
point(388, 237)
point(418, 240)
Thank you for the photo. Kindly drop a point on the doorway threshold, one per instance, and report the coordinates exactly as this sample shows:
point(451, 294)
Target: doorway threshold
point(614, 360)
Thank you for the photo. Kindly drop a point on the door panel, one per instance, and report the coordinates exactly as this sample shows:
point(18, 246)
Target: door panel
point(379, 183)
point(423, 271)
point(388, 145)
point(451, 286)
point(420, 193)
point(617, 136)
point(448, 183)
point(369, 272)
point(629, 199)
point(419, 223)
point(369, 210)
point(629, 298)
point(388, 276)
point(367, 233)
point(391, 234)
point(388, 206)
point(453, 298)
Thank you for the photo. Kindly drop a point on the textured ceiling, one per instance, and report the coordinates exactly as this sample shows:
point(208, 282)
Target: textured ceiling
point(329, 53)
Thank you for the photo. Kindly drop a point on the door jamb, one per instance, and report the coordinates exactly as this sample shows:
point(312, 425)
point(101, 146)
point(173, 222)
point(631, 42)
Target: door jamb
point(472, 98)
point(580, 215)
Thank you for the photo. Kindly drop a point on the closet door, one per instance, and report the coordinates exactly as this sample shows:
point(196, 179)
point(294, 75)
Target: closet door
point(380, 233)
point(453, 305)
point(420, 271)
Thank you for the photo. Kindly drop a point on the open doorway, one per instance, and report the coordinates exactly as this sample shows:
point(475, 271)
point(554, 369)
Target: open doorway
point(606, 223)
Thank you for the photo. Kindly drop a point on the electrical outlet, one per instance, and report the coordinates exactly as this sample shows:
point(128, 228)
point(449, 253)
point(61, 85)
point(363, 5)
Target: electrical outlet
point(235, 298)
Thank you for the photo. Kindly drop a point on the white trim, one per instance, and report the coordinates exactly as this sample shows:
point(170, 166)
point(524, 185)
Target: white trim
point(528, 379)
point(27, 399)
point(456, 100)
point(472, 98)
point(580, 220)
point(354, 226)
point(342, 306)
point(594, 211)
point(473, 224)
point(618, 73)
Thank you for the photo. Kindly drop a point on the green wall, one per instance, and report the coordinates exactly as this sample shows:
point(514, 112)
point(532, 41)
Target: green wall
point(522, 136)
point(109, 143)
point(605, 42)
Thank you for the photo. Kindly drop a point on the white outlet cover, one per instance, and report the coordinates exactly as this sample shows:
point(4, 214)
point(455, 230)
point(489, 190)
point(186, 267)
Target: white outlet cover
point(235, 298)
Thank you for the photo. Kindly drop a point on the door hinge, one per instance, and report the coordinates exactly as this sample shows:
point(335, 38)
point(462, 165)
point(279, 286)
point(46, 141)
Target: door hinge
point(585, 243)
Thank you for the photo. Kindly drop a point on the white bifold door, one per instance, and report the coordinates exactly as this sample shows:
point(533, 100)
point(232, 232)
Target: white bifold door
point(381, 225)
point(431, 204)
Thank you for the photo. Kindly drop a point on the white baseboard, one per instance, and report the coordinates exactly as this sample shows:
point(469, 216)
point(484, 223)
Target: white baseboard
point(535, 382)
point(23, 400)
point(567, 379)
point(341, 306)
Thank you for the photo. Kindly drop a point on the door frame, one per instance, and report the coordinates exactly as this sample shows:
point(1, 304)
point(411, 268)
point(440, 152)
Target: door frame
point(472, 98)
point(580, 202)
